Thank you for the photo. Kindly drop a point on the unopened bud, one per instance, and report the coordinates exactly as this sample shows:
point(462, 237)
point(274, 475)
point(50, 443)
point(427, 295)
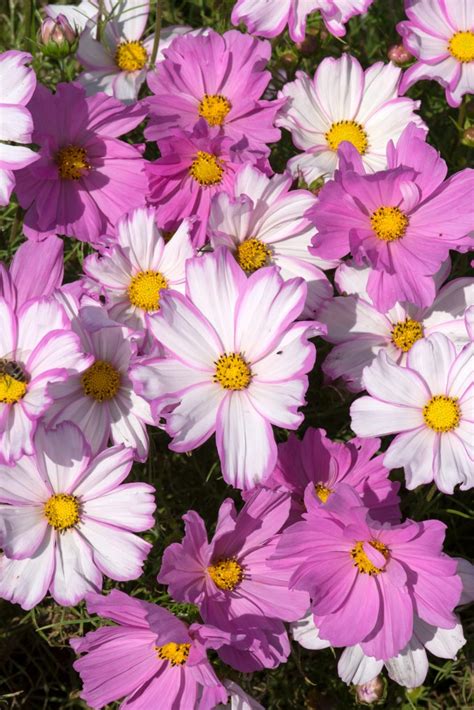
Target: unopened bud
point(371, 692)
point(308, 46)
point(288, 59)
point(468, 136)
point(399, 55)
point(57, 36)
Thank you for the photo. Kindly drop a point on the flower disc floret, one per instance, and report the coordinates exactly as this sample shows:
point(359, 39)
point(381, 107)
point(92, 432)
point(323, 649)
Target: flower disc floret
point(442, 413)
point(131, 56)
point(72, 162)
point(252, 254)
point(389, 223)
point(233, 372)
point(226, 574)
point(362, 562)
point(144, 290)
point(214, 108)
point(175, 653)
point(62, 511)
point(350, 131)
point(323, 492)
point(406, 333)
point(207, 169)
point(11, 390)
point(461, 46)
point(101, 381)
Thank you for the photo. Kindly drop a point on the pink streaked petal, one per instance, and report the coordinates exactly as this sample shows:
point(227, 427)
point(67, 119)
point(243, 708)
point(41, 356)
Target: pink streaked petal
point(60, 350)
point(62, 456)
point(22, 530)
point(75, 573)
point(17, 437)
point(130, 507)
point(105, 472)
point(26, 582)
point(23, 485)
point(395, 624)
point(37, 319)
point(193, 421)
point(372, 417)
point(278, 402)
point(118, 553)
point(415, 450)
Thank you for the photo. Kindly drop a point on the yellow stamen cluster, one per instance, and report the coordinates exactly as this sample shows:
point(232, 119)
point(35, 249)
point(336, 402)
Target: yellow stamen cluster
point(131, 56)
point(11, 390)
point(62, 511)
point(232, 372)
point(175, 653)
point(101, 381)
point(207, 169)
point(389, 223)
point(72, 162)
point(144, 290)
point(362, 562)
point(214, 108)
point(226, 573)
point(442, 413)
point(323, 492)
point(252, 254)
point(405, 333)
point(461, 46)
point(350, 131)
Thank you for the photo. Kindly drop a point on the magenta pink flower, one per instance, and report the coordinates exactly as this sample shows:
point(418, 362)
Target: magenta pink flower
point(401, 221)
point(367, 581)
point(327, 464)
point(219, 78)
point(150, 658)
point(192, 169)
point(85, 178)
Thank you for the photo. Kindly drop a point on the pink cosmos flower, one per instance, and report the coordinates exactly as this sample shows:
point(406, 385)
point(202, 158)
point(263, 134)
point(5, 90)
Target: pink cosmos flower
point(327, 464)
point(17, 84)
point(367, 581)
point(85, 178)
point(441, 36)
point(429, 404)
point(269, 18)
point(401, 221)
point(139, 266)
point(231, 579)
point(102, 401)
point(263, 223)
point(192, 169)
point(36, 270)
point(65, 520)
point(344, 103)
point(235, 363)
point(360, 331)
point(40, 348)
point(152, 659)
point(219, 78)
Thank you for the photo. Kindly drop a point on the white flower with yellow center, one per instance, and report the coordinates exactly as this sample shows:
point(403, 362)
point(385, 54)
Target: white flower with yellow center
point(344, 103)
point(429, 404)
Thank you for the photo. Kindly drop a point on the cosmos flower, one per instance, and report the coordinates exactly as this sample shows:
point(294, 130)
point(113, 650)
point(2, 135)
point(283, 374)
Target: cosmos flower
point(402, 222)
point(325, 464)
point(428, 404)
point(192, 169)
point(139, 266)
point(263, 223)
point(85, 178)
point(269, 18)
point(38, 341)
point(219, 78)
point(17, 84)
point(367, 580)
point(441, 36)
point(150, 658)
point(344, 103)
point(65, 519)
point(235, 363)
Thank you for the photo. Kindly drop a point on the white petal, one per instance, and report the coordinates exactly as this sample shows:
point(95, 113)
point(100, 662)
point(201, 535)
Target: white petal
point(372, 417)
point(355, 667)
point(75, 573)
point(62, 456)
point(444, 643)
point(306, 633)
point(410, 667)
point(105, 473)
point(415, 451)
point(432, 357)
point(193, 421)
point(395, 385)
point(118, 553)
point(130, 506)
point(26, 582)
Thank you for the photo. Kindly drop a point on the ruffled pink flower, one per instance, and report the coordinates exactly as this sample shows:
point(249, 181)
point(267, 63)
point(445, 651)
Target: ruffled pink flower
point(65, 519)
point(429, 404)
point(269, 18)
point(17, 84)
point(402, 221)
point(85, 178)
point(219, 78)
point(327, 464)
point(193, 168)
point(368, 581)
point(235, 364)
point(36, 270)
point(150, 658)
point(37, 340)
point(441, 36)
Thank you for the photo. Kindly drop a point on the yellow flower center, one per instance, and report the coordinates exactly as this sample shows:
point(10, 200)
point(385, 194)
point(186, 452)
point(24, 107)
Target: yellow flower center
point(252, 254)
point(389, 223)
point(207, 169)
point(233, 372)
point(101, 381)
point(362, 562)
point(214, 108)
point(62, 511)
point(347, 131)
point(442, 413)
point(323, 492)
point(175, 653)
point(130, 56)
point(72, 162)
point(461, 46)
point(144, 290)
point(226, 574)
point(12, 389)
point(405, 333)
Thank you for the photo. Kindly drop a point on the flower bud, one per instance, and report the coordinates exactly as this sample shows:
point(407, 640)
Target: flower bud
point(468, 137)
point(371, 692)
point(57, 37)
point(308, 46)
point(399, 55)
